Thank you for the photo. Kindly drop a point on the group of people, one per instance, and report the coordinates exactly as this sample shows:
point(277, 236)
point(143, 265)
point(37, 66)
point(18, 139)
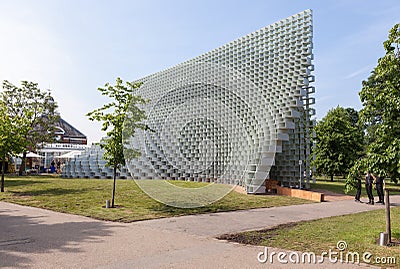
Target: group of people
point(370, 180)
point(55, 169)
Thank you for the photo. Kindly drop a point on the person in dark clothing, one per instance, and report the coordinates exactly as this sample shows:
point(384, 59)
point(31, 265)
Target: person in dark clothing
point(368, 187)
point(358, 194)
point(52, 166)
point(58, 167)
point(379, 189)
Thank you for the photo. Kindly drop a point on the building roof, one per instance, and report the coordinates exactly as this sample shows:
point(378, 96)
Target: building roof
point(68, 130)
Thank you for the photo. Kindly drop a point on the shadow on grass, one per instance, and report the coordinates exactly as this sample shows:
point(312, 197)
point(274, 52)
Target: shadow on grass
point(176, 211)
point(32, 234)
point(168, 210)
point(50, 192)
point(16, 182)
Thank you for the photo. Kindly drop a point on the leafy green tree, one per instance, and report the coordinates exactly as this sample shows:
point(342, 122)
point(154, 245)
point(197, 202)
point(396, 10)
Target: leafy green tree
point(380, 96)
point(339, 142)
point(35, 112)
point(357, 171)
point(119, 119)
point(354, 117)
point(11, 141)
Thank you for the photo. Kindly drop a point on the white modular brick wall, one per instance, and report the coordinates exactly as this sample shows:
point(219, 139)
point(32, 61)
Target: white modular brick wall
point(239, 114)
point(91, 164)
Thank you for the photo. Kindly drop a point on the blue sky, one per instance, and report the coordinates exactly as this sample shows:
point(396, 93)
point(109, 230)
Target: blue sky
point(74, 47)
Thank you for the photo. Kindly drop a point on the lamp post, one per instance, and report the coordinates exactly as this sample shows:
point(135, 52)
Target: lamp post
point(300, 163)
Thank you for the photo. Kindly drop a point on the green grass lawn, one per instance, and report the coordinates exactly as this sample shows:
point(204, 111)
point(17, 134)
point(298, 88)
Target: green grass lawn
point(359, 231)
point(335, 186)
point(87, 197)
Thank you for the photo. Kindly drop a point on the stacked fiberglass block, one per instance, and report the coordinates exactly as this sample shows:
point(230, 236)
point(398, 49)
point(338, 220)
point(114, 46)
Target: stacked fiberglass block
point(239, 114)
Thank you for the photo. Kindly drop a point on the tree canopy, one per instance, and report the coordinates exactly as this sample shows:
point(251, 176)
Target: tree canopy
point(339, 142)
point(380, 97)
point(11, 141)
point(35, 112)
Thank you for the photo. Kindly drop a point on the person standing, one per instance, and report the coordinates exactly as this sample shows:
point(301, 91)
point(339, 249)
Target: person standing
point(358, 194)
point(58, 167)
point(52, 166)
point(368, 187)
point(379, 189)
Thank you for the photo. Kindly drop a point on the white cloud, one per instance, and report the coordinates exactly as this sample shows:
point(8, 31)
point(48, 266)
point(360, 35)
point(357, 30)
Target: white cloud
point(361, 71)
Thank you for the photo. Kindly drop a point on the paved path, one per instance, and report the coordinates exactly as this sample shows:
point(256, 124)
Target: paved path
point(215, 224)
point(330, 196)
point(37, 238)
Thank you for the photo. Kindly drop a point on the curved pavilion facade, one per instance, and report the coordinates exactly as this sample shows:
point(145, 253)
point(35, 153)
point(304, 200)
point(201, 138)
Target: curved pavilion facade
point(239, 114)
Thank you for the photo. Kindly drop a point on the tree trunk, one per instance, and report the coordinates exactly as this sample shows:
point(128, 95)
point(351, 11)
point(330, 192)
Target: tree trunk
point(332, 178)
point(113, 191)
point(23, 164)
point(3, 168)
